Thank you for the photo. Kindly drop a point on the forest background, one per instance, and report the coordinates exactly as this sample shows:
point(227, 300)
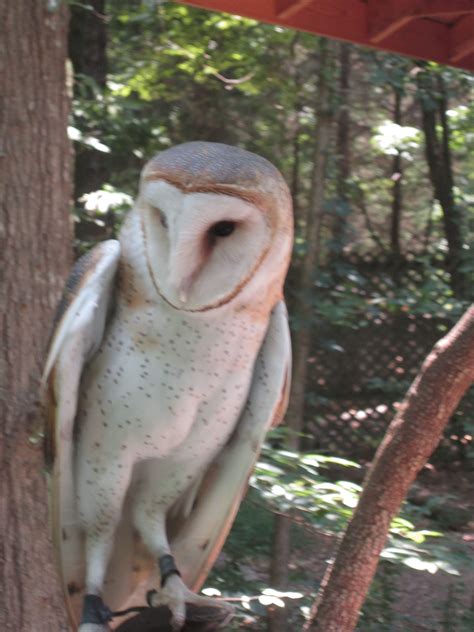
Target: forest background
point(378, 152)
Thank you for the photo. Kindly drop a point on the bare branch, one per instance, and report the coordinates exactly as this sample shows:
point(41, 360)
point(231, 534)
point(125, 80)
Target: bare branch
point(412, 436)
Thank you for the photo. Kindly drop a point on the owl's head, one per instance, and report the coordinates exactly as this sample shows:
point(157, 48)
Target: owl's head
point(216, 223)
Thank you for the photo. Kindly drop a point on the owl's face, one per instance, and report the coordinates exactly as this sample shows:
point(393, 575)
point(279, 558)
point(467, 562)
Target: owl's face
point(202, 248)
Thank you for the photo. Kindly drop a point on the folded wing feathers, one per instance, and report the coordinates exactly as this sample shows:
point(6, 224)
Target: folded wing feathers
point(87, 311)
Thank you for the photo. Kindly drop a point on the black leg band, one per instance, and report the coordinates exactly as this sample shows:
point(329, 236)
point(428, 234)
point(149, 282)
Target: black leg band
point(167, 568)
point(94, 610)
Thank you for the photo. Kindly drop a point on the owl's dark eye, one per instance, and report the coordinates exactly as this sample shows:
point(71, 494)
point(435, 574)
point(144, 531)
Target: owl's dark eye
point(161, 215)
point(163, 220)
point(222, 229)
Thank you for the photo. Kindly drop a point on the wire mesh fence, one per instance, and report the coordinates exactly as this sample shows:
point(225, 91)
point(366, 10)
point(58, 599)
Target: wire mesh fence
point(362, 363)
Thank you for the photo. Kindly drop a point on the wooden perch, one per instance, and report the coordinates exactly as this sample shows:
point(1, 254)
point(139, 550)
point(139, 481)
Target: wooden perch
point(411, 438)
point(159, 620)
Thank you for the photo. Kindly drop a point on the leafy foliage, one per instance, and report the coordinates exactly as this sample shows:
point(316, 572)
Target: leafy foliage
point(177, 74)
point(305, 487)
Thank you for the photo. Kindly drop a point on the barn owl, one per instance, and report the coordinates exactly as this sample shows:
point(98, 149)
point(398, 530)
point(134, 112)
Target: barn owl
point(169, 362)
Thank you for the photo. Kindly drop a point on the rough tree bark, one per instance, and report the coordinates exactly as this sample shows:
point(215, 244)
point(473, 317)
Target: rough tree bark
point(414, 433)
point(35, 247)
point(301, 306)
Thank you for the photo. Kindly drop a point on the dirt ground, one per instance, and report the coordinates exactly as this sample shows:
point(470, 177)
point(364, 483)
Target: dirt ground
point(437, 602)
point(423, 601)
point(403, 599)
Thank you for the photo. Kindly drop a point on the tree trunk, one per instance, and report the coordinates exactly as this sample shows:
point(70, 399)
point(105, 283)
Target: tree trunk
point(303, 308)
point(432, 99)
point(35, 247)
point(343, 151)
point(304, 312)
point(397, 187)
point(295, 127)
point(411, 438)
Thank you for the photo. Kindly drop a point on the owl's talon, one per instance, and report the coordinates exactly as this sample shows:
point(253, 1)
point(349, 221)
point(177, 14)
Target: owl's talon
point(151, 597)
point(178, 621)
point(186, 606)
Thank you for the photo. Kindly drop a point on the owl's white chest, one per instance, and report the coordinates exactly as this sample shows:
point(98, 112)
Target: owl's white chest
point(166, 387)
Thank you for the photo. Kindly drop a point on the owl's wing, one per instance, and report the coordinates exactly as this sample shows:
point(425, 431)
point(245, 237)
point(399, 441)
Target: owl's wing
point(197, 538)
point(79, 327)
point(80, 324)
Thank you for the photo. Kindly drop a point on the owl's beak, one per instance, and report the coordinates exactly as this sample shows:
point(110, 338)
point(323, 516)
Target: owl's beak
point(183, 269)
point(181, 286)
point(183, 289)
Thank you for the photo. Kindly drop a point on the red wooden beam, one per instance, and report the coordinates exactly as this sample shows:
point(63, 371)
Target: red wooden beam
point(391, 15)
point(286, 8)
point(348, 20)
point(425, 8)
point(384, 19)
point(461, 38)
point(423, 39)
point(343, 19)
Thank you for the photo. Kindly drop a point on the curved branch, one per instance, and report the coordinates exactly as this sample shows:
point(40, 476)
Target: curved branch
point(412, 436)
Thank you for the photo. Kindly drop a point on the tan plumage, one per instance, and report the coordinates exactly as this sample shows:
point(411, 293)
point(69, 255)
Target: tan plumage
point(169, 362)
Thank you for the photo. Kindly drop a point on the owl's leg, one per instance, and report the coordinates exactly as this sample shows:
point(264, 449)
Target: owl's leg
point(149, 517)
point(100, 500)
